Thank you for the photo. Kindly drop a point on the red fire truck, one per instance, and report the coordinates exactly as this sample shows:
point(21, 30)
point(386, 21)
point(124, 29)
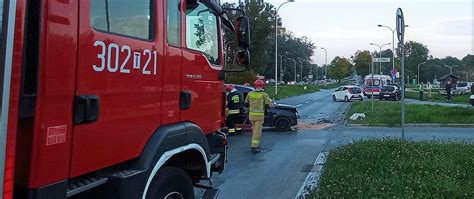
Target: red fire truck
point(112, 98)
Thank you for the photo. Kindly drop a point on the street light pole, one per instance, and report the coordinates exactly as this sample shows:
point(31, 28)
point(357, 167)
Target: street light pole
point(419, 71)
point(393, 44)
point(301, 71)
point(325, 63)
point(380, 54)
point(450, 68)
point(276, 44)
point(281, 66)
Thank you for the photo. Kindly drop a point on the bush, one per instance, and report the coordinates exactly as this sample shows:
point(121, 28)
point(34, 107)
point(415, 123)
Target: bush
point(240, 77)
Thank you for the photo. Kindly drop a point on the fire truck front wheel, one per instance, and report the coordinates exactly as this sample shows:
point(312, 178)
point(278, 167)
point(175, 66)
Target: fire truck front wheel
point(171, 182)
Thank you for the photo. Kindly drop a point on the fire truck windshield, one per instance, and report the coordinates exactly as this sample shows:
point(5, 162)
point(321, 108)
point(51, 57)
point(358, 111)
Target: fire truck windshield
point(202, 32)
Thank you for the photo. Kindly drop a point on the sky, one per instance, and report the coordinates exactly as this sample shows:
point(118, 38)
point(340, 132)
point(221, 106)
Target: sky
point(345, 26)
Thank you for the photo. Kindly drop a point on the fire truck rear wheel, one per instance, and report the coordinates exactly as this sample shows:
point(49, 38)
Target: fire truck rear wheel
point(171, 183)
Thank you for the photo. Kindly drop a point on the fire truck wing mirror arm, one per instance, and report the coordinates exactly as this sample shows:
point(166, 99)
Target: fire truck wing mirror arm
point(243, 32)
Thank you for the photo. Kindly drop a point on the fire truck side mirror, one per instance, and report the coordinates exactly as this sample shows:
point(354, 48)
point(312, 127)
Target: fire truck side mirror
point(243, 32)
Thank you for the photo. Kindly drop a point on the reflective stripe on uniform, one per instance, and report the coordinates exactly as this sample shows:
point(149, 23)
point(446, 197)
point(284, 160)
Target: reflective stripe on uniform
point(231, 130)
point(255, 142)
point(257, 113)
point(237, 111)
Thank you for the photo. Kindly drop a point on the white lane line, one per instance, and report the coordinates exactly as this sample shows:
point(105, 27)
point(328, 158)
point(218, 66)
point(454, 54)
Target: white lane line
point(312, 179)
point(307, 102)
point(315, 99)
point(299, 105)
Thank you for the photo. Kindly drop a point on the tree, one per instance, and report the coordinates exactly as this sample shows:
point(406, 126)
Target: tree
point(415, 53)
point(361, 60)
point(294, 48)
point(340, 67)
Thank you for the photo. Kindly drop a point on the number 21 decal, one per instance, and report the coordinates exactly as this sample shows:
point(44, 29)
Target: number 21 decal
point(109, 57)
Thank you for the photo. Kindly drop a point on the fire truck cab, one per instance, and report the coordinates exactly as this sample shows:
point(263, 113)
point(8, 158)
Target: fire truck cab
point(112, 98)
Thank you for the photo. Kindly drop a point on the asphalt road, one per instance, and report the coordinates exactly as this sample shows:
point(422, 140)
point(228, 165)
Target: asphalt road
point(286, 157)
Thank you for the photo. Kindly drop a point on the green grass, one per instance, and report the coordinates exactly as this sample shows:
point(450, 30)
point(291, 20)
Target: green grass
point(388, 112)
point(286, 91)
point(398, 169)
point(435, 97)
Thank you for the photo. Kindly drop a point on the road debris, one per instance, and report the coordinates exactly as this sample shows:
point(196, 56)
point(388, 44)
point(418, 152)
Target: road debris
point(357, 116)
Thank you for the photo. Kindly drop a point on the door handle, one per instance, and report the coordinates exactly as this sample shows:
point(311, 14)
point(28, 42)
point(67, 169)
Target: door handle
point(86, 109)
point(185, 100)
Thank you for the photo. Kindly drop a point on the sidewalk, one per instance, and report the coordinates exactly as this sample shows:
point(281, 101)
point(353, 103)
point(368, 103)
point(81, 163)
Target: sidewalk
point(413, 101)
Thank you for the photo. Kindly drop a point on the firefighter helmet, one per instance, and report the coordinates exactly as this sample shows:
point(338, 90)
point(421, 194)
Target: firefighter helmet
point(258, 84)
point(229, 87)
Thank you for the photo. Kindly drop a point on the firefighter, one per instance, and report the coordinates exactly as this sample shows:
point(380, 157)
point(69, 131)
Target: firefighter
point(257, 101)
point(234, 107)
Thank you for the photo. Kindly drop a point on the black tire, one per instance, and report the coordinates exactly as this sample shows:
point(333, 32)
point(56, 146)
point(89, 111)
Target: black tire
point(333, 98)
point(170, 182)
point(282, 124)
point(346, 99)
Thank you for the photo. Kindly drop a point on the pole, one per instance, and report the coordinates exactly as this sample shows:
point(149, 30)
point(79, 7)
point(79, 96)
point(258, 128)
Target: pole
point(380, 63)
point(372, 94)
point(301, 72)
point(402, 63)
point(295, 71)
point(325, 62)
point(393, 49)
point(276, 45)
point(276, 51)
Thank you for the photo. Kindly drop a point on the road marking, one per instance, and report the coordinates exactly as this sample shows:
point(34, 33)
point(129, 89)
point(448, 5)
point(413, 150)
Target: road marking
point(315, 99)
point(307, 102)
point(299, 105)
point(312, 179)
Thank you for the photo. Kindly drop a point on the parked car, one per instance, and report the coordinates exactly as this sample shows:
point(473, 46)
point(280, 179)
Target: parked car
point(291, 83)
point(281, 116)
point(348, 93)
point(391, 92)
point(463, 87)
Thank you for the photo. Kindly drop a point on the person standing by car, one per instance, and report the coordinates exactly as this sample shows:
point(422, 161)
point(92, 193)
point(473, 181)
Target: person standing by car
point(257, 101)
point(448, 88)
point(234, 106)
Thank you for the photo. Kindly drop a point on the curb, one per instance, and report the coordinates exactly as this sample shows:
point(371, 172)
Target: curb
point(312, 179)
point(413, 125)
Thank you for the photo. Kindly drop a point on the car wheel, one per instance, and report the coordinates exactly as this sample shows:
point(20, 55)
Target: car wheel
point(346, 99)
point(282, 124)
point(333, 98)
point(171, 182)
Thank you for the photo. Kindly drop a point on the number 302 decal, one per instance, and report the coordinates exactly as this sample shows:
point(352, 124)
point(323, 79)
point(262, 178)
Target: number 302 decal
point(109, 58)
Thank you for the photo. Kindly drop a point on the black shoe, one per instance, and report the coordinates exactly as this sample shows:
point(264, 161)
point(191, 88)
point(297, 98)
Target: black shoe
point(256, 150)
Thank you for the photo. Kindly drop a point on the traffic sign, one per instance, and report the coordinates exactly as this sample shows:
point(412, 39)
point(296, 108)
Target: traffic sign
point(400, 21)
point(393, 72)
point(383, 59)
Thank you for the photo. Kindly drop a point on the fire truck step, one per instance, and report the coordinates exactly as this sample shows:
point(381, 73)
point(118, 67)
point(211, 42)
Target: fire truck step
point(122, 174)
point(83, 184)
point(215, 157)
point(210, 194)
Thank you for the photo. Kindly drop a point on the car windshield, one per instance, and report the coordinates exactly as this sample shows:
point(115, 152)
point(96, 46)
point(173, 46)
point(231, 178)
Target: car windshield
point(462, 84)
point(388, 89)
point(355, 90)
